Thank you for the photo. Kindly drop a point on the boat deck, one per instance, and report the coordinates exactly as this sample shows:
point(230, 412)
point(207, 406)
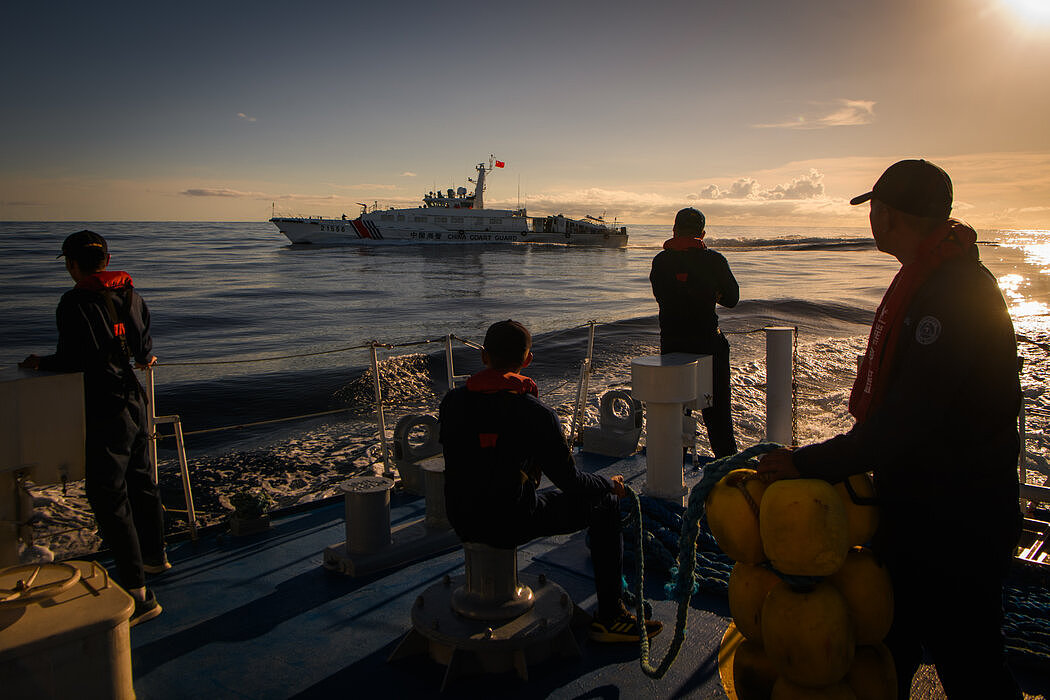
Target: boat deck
point(258, 616)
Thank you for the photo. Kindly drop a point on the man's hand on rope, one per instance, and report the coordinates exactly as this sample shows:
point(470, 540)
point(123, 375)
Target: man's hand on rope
point(776, 465)
point(618, 486)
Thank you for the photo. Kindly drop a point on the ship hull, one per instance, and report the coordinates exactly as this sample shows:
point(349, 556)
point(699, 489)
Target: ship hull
point(370, 231)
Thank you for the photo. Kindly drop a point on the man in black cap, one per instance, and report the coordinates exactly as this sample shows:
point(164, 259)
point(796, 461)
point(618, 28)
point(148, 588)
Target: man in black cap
point(499, 439)
point(103, 327)
point(688, 279)
point(935, 401)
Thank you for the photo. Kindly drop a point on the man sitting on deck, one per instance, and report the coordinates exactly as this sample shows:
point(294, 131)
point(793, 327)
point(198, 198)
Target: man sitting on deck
point(499, 439)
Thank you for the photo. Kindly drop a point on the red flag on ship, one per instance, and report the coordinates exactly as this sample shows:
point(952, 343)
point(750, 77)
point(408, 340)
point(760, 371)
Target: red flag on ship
point(500, 164)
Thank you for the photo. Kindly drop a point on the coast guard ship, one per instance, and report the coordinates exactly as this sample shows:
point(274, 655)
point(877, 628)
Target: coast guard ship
point(452, 217)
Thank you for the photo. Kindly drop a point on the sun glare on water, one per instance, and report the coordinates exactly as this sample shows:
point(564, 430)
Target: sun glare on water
point(1032, 11)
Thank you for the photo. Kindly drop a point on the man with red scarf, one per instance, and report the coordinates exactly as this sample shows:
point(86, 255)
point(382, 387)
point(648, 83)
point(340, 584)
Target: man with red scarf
point(688, 279)
point(499, 439)
point(103, 326)
point(936, 402)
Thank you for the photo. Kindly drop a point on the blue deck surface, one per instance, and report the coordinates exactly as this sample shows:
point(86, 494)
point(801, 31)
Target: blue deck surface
point(259, 617)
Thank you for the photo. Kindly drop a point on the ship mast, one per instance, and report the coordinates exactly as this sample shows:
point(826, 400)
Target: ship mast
point(479, 185)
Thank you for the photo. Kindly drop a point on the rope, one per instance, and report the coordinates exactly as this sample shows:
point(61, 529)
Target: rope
point(368, 346)
point(682, 582)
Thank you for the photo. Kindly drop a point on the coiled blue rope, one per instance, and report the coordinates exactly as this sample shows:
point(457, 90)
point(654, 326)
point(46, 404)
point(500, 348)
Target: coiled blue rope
point(682, 583)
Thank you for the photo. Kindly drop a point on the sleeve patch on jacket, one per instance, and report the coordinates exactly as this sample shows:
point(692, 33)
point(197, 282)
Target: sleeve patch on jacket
point(488, 439)
point(682, 276)
point(928, 330)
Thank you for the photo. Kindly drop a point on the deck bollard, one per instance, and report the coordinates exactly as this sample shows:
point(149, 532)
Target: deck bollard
point(664, 383)
point(367, 513)
point(434, 491)
point(779, 345)
point(491, 590)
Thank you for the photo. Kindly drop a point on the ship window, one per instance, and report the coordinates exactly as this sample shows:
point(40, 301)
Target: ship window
point(440, 219)
point(386, 217)
point(457, 219)
point(495, 221)
point(421, 219)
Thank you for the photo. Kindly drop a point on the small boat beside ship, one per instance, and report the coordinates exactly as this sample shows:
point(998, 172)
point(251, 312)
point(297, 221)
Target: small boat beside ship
point(453, 216)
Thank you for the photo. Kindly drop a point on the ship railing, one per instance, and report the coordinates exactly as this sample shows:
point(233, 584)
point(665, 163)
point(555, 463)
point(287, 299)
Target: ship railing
point(583, 379)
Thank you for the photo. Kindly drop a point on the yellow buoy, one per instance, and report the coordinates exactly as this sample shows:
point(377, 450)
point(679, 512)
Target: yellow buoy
point(808, 636)
point(862, 518)
point(732, 514)
point(753, 672)
point(803, 527)
point(865, 585)
point(873, 675)
point(784, 689)
point(748, 587)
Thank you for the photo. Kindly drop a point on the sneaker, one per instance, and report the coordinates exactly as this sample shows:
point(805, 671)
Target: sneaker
point(145, 609)
point(157, 567)
point(622, 628)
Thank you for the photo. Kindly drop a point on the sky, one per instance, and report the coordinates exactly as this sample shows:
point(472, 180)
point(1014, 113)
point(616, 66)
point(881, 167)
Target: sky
point(757, 112)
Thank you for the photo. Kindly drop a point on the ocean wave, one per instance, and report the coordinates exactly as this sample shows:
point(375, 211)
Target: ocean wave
point(796, 243)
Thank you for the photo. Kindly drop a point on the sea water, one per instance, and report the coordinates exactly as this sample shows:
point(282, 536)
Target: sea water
point(250, 330)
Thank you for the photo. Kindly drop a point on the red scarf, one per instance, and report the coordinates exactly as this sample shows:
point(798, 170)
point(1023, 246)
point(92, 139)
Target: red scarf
point(951, 240)
point(97, 281)
point(684, 243)
point(489, 380)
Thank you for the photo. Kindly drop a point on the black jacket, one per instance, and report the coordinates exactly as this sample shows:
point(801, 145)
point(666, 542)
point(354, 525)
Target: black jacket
point(496, 446)
point(687, 284)
point(943, 443)
point(88, 343)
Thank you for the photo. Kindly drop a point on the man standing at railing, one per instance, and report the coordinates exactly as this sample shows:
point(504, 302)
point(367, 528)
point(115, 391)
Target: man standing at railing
point(499, 439)
point(688, 279)
point(103, 326)
point(936, 401)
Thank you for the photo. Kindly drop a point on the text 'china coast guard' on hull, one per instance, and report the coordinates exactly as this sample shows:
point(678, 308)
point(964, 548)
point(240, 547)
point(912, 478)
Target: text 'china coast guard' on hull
point(453, 217)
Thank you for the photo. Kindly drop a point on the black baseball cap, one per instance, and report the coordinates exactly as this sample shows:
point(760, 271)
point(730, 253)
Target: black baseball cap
point(82, 243)
point(689, 222)
point(916, 187)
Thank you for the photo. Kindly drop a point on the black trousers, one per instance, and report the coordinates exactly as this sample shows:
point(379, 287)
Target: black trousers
point(121, 490)
point(718, 418)
point(559, 513)
point(950, 604)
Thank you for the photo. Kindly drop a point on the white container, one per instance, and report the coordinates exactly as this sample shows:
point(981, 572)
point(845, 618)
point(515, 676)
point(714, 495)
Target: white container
point(73, 642)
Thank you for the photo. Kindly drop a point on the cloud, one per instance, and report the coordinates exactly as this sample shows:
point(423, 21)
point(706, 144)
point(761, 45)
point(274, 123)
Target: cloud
point(23, 203)
point(840, 112)
point(408, 173)
point(810, 186)
point(220, 192)
point(360, 186)
point(311, 197)
point(798, 199)
point(245, 117)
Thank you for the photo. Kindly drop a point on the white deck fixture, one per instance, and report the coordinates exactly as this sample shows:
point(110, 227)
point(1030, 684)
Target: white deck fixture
point(42, 429)
point(664, 383)
point(779, 352)
point(367, 507)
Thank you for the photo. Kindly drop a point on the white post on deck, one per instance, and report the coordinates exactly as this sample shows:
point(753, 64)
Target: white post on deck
point(581, 388)
point(664, 383)
point(151, 423)
point(779, 358)
point(380, 419)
